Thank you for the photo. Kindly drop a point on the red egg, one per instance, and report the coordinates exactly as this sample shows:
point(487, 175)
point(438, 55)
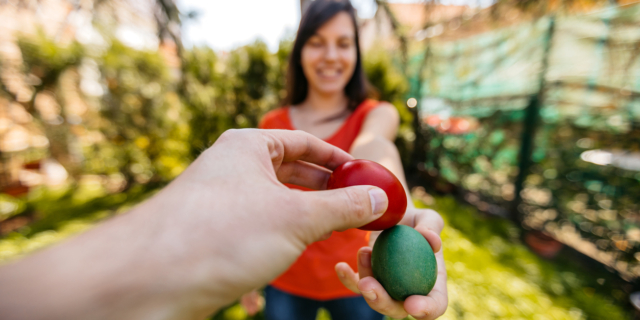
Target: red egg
point(365, 172)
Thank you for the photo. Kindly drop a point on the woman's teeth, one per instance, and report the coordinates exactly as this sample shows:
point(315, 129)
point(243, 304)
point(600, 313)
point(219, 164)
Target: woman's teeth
point(329, 73)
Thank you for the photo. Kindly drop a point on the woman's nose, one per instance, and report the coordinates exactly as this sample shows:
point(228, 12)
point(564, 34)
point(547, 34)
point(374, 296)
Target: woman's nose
point(332, 52)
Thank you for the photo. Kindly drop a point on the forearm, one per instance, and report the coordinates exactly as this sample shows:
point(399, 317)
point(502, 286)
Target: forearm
point(110, 272)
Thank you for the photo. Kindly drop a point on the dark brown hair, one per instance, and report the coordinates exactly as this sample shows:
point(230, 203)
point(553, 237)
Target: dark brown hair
point(317, 14)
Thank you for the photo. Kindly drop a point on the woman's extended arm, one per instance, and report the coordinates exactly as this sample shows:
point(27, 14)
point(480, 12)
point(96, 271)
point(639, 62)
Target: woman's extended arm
point(375, 142)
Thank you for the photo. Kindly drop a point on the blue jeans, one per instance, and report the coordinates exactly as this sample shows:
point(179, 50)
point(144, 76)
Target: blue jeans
point(284, 306)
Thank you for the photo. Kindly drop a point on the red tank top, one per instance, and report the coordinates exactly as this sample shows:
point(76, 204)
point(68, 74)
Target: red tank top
point(313, 274)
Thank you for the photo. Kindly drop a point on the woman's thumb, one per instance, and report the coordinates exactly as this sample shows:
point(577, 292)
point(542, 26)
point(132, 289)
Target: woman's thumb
point(345, 208)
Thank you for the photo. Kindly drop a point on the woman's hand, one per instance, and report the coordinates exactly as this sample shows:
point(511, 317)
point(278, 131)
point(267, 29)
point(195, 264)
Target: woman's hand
point(252, 302)
point(429, 224)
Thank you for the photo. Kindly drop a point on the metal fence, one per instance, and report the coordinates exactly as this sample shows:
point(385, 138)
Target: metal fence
point(541, 123)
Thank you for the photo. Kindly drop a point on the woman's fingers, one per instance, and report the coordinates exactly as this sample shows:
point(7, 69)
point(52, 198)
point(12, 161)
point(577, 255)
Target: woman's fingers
point(428, 222)
point(429, 218)
point(379, 300)
point(425, 307)
point(303, 174)
point(420, 307)
point(364, 262)
point(347, 276)
point(252, 302)
point(432, 237)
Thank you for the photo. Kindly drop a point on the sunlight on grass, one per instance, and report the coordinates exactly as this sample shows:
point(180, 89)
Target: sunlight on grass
point(491, 275)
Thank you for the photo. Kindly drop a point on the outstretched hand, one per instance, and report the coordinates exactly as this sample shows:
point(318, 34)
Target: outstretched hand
point(429, 224)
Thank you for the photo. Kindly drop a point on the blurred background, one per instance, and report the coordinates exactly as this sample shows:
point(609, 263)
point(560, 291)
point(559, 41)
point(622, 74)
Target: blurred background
point(520, 125)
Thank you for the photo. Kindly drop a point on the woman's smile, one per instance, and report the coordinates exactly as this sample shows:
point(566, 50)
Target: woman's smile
point(329, 73)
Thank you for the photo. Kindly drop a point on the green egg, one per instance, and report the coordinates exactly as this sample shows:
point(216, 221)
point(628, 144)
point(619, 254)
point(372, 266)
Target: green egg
point(404, 263)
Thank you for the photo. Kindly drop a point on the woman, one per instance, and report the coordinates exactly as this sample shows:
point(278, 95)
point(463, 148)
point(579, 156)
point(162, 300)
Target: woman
point(327, 97)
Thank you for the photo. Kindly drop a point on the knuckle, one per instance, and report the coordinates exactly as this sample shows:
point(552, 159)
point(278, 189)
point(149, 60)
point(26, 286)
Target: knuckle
point(437, 219)
point(300, 132)
point(232, 135)
point(229, 134)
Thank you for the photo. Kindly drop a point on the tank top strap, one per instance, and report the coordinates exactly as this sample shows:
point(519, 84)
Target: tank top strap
point(351, 128)
point(361, 112)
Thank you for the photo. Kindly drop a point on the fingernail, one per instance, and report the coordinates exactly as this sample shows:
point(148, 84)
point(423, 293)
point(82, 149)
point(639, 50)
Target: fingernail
point(341, 274)
point(370, 295)
point(365, 259)
point(422, 315)
point(378, 200)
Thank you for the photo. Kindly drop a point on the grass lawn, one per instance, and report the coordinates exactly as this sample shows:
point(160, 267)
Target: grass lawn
point(491, 274)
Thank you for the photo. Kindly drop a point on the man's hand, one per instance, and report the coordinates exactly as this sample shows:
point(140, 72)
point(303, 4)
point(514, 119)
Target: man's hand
point(429, 224)
point(225, 226)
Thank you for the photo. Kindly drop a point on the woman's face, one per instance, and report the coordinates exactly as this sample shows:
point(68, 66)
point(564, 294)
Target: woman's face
point(329, 56)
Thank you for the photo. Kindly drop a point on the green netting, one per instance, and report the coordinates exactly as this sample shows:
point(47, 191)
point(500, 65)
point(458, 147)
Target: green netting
point(593, 59)
point(590, 102)
point(496, 64)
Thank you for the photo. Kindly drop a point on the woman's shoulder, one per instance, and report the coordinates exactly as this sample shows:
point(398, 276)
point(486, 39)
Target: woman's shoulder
point(375, 108)
point(275, 119)
point(383, 118)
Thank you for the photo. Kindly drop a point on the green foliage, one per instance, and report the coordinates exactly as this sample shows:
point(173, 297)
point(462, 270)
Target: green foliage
point(76, 210)
point(148, 124)
point(230, 92)
point(200, 97)
point(484, 161)
point(46, 59)
point(600, 202)
point(10, 206)
point(144, 138)
point(279, 74)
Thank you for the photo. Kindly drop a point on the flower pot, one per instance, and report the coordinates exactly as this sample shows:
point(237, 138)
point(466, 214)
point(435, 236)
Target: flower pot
point(542, 244)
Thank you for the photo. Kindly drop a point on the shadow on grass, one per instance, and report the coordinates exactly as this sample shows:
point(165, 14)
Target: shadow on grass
point(52, 210)
point(587, 294)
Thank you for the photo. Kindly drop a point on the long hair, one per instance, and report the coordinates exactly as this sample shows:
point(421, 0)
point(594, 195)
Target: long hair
point(317, 14)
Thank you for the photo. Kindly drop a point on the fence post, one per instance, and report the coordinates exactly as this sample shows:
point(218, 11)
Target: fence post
point(530, 125)
point(419, 151)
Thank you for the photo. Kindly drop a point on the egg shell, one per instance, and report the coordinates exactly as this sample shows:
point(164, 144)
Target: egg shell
point(404, 263)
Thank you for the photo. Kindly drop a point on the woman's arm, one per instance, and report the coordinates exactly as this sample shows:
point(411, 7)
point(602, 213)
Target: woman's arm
point(375, 143)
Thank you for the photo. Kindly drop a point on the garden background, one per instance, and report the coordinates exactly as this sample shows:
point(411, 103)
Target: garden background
point(519, 125)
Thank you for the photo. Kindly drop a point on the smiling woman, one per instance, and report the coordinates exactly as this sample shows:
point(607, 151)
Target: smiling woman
point(326, 57)
point(328, 96)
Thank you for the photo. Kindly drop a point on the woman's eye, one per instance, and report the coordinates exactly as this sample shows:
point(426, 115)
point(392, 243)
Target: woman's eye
point(344, 45)
point(315, 43)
